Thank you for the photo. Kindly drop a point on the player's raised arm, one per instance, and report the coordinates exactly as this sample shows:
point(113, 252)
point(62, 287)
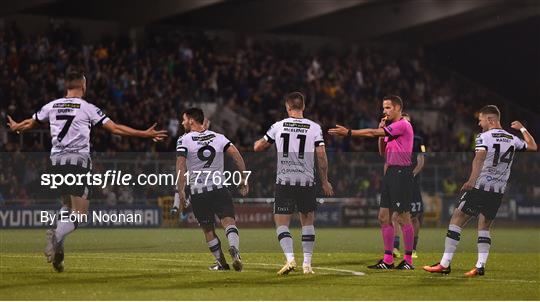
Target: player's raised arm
point(322, 164)
point(231, 151)
point(25, 125)
point(531, 143)
point(342, 131)
point(123, 130)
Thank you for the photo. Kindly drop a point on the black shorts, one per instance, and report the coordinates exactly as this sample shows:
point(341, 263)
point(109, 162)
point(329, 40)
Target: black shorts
point(417, 204)
point(476, 201)
point(209, 204)
point(290, 199)
point(397, 189)
point(71, 189)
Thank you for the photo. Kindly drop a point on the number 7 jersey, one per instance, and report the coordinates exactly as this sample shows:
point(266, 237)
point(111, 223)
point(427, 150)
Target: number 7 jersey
point(296, 139)
point(500, 146)
point(70, 121)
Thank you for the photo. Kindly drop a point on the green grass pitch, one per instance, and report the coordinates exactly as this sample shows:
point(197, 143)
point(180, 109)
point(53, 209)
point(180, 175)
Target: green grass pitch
point(171, 264)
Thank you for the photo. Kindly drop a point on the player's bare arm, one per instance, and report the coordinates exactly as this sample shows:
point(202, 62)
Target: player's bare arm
point(322, 164)
point(181, 169)
point(342, 131)
point(123, 130)
point(420, 162)
point(531, 143)
point(261, 145)
point(477, 164)
point(240, 165)
point(25, 125)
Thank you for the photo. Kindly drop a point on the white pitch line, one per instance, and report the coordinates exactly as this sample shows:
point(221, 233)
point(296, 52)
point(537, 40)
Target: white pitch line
point(355, 273)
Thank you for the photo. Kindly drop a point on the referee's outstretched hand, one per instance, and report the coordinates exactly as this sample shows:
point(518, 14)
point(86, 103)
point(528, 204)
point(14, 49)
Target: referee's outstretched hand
point(338, 131)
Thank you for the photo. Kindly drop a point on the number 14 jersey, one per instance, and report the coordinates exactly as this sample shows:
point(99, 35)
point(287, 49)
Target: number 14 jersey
point(296, 139)
point(500, 146)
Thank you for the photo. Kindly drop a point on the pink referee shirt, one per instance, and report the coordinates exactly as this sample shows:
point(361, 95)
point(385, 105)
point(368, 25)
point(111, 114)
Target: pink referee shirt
point(399, 143)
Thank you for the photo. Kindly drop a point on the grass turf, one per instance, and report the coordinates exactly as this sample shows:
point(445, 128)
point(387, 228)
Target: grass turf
point(171, 264)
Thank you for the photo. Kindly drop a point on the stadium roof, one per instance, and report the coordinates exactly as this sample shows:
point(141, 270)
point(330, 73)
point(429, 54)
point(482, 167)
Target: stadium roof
point(421, 21)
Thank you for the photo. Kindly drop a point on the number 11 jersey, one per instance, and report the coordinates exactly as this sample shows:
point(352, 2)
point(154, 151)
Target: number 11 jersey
point(296, 139)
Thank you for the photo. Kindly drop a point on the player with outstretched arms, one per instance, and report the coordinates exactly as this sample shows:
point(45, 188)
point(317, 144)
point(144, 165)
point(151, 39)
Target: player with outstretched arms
point(397, 183)
point(70, 120)
point(200, 164)
point(484, 190)
point(298, 142)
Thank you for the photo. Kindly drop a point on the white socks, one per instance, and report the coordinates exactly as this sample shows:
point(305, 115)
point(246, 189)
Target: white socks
point(484, 243)
point(450, 244)
point(308, 241)
point(286, 241)
point(233, 236)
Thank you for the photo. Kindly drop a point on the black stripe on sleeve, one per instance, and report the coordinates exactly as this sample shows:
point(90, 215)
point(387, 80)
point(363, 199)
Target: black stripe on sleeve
point(319, 143)
point(268, 138)
point(227, 146)
point(36, 117)
point(100, 122)
point(181, 151)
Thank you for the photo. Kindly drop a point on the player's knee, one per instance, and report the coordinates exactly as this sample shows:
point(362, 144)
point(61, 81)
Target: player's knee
point(207, 229)
point(307, 218)
point(227, 221)
point(383, 218)
point(459, 218)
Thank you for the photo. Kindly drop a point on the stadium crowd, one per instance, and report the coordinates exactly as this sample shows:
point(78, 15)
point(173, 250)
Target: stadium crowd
point(139, 83)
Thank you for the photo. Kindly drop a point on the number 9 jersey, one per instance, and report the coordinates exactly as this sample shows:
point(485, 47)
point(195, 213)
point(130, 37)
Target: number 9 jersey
point(500, 146)
point(296, 139)
point(204, 153)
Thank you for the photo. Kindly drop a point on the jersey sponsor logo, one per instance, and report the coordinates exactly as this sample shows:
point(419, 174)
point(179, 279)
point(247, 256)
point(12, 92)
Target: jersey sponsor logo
point(501, 135)
point(203, 138)
point(67, 105)
point(296, 125)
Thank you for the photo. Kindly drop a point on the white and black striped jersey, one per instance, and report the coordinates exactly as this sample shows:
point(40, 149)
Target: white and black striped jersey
point(70, 121)
point(296, 139)
point(500, 146)
point(204, 153)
